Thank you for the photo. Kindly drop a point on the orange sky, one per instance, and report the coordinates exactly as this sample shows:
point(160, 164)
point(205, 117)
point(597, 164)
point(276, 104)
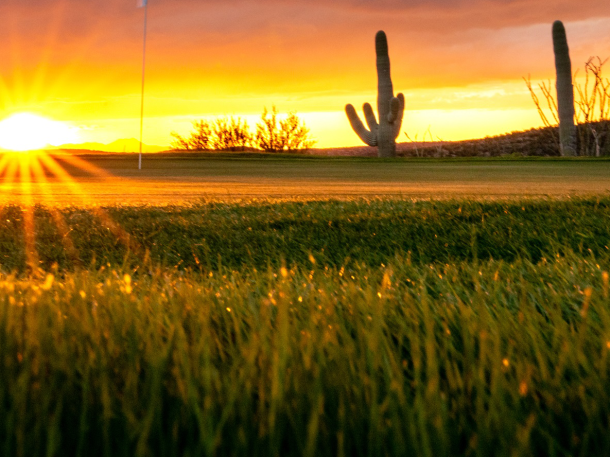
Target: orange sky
point(458, 62)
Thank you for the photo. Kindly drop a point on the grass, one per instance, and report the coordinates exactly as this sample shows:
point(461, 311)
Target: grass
point(336, 233)
point(366, 327)
point(242, 177)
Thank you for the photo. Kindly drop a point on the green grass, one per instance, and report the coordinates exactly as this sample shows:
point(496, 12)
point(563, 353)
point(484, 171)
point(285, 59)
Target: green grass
point(336, 233)
point(381, 327)
point(175, 179)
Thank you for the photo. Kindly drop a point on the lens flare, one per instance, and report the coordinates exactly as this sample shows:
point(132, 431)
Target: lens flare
point(27, 131)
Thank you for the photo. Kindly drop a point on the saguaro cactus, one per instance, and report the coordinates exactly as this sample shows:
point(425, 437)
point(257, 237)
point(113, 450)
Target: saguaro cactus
point(390, 108)
point(565, 91)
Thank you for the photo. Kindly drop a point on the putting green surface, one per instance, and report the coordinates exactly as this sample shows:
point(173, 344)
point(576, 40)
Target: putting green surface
point(115, 179)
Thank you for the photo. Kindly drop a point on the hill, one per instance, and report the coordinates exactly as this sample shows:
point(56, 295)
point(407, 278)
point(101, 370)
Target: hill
point(121, 145)
point(541, 142)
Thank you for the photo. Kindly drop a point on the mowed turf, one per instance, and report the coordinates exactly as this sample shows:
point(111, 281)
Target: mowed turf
point(323, 326)
point(326, 328)
point(179, 178)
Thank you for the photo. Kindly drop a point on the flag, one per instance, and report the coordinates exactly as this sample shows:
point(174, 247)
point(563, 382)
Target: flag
point(142, 3)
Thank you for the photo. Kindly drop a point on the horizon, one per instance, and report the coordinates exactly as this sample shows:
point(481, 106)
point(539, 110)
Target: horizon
point(131, 145)
point(460, 67)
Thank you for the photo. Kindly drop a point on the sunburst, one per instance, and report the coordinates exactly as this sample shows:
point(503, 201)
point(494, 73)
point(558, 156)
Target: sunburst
point(28, 131)
point(24, 175)
point(28, 173)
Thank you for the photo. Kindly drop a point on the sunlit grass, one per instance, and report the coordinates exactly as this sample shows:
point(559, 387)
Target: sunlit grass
point(366, 327)
point(239, 235)
point(490, 358)
point(114, 179)
point(29, 171)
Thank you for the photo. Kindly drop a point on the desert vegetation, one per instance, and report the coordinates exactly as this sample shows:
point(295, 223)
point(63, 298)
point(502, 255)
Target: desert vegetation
point(274, 133)
point(365, 327)
point(565, 91)
point(381, 132)
point(587, 103)
point(537, 142)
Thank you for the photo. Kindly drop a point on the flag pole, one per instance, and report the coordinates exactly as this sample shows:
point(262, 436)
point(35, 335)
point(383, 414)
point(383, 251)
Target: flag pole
point(145, 5)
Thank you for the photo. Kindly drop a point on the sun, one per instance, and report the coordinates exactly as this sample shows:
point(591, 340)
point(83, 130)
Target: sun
point(27, 131)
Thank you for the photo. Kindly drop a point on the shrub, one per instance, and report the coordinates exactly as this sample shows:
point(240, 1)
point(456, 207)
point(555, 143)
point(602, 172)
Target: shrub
point(592, 103)
point(230, 134)
point(275, 135)
point(295, 135)
point(200, 139)
point(233, 134)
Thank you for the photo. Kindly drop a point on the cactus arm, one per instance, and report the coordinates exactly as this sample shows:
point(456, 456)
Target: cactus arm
point(399, 115)
point(565, 90)
point(369, 115)
point(365, 135)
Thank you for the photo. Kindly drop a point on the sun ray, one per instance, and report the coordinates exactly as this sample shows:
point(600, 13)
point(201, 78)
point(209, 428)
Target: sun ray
point(18, 90)
point(79, 53)
point(65, 178)
point(121, 234)
point(50, 202)
point(5, 161)
point(11, 171)
point(28, 178)
point(17, 84)
point(35, 177)
point(86, 166)
point(27, 209)
point(54, 23)
point(75, 65)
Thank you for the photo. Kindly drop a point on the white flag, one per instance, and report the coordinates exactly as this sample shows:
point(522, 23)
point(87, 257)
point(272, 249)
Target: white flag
point(142, 3)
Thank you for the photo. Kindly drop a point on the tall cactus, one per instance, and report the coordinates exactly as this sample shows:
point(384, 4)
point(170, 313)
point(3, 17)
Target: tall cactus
point(565, 91)
point(390, 108)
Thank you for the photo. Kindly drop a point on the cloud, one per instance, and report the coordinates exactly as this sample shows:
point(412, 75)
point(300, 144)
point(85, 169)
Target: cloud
point(76, 51)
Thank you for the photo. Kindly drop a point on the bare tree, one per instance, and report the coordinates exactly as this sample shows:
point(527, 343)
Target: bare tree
point(289, 134)
point(414, 142)
point(200, 139)
point(545, 89)
point(295, 135)
point(267, 131)
point(233, 134)
point(179, 143)
point(230, 134)
point(592, 108)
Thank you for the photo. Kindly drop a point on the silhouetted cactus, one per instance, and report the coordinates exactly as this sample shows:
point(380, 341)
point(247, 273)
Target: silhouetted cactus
point(565, 91)
point(390, 108)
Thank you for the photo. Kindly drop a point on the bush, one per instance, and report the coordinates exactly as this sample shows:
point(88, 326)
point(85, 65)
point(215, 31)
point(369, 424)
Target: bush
point(200, 139)
point(223, 134)
point(592, 109)
point(231, 134)
point(290, 134)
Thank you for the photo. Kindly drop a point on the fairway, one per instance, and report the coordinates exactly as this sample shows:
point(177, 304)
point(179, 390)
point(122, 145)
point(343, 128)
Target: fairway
point(165, 179)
